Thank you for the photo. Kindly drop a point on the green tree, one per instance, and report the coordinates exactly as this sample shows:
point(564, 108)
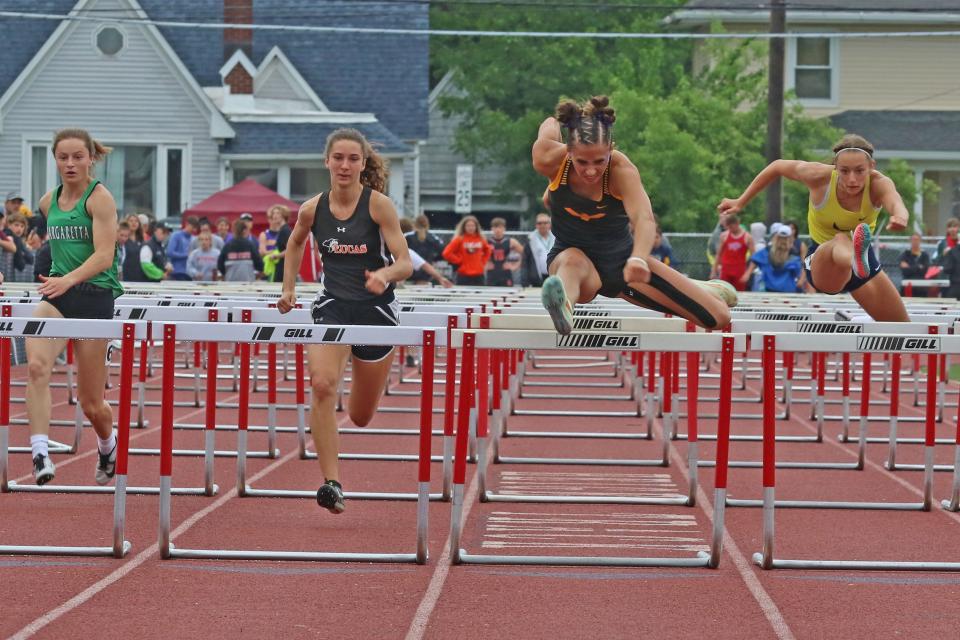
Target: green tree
point(511, 84)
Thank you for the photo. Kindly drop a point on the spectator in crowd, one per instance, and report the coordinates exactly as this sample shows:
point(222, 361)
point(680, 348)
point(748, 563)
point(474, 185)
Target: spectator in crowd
point(130, 270)
point(248, 220)
point(178, 248)
point(273, 242)
point(948, 242)
point(914, 263)
point(133, 223)
point(758, 231)
point(468, 252)
point(779, 270)
point(123, 238)
point(23, 257)
point(406, 227)
point(427, 245)
point(240, 261)
point(662, 251)
point(731, 262)
point(951, 270)
point(539, 244)
point(500, 271)
point(153, 257)
point(799, 247)
point(216, 241)
point(204, 260)
point(7, 250)
point(12, 203)
point(42, 260)
point(147, 228)
point(223, 230)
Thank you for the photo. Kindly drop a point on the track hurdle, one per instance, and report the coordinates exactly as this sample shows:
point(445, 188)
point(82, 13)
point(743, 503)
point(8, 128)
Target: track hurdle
point(929, 345)
point(76, 329)
point(244, 334)
point(496, 340)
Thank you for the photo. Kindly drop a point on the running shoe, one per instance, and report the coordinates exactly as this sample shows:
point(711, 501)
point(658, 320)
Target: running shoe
point(106, 466)
point(861, 250)
point(330, 496)
point(556, 303)
point(43, 469)
point(721, 289)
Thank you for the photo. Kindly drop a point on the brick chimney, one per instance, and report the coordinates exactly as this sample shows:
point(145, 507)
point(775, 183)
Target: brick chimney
point(237, 12)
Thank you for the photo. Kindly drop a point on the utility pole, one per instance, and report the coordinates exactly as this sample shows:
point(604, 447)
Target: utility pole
point(775, 70)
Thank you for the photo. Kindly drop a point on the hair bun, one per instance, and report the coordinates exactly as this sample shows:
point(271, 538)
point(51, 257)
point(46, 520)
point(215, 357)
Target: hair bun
point(599, 108)
point(568, 114)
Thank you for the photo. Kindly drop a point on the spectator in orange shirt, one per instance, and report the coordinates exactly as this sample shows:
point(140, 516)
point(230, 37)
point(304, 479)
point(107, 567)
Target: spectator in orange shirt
point(468, 252)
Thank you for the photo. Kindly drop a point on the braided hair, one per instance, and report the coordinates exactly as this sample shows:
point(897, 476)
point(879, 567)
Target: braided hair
point(587, 123)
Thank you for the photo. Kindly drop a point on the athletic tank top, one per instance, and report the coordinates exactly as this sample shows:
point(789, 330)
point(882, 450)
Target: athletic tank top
point(582, 222)
point(498, 257)
point(733, 253)
point(71, 241)
point(271, 239)
point(348, 248)
point(830, 218)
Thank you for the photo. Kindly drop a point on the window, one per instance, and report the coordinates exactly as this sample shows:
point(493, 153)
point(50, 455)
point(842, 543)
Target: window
point(129, 173)
point(308, 182)
point(264, 175)
point(109, 41)
point(142, 178)
point(813, 70)
point(174, 182)
point(39, 176)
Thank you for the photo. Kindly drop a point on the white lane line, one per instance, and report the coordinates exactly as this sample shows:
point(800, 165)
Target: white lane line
point(80, 456)
point(432, 595)
point(769, 608)
point(147, 553)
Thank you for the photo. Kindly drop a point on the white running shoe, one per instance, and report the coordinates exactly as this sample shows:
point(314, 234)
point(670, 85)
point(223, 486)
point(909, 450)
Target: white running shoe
point(106, 466)
point(43, 469)
point(721, 289)
point(555, 302)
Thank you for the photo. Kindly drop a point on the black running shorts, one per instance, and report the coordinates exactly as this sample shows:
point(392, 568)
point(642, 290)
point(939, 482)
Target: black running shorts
point(86, 301)
point(328, 310)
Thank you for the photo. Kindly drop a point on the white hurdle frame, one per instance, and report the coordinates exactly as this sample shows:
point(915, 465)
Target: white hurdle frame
point(932, 345)
point(73, 329)
point(485, 340)
point(245, 334)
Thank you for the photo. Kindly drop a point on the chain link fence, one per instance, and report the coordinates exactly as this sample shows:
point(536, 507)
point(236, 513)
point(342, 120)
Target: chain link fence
point(690, 251)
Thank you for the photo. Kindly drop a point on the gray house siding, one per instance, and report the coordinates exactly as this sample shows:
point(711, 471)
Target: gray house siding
point(134, 97)
point(438, 166)
point(276, 87)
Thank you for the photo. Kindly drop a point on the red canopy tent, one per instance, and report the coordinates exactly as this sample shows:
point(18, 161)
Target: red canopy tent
point(249, 196)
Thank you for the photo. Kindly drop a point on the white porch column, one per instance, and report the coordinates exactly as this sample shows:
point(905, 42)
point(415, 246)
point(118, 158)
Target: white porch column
point(918, 204)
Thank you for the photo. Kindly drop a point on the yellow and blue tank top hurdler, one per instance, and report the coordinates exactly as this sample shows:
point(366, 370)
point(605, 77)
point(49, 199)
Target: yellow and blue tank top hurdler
point(828, 218)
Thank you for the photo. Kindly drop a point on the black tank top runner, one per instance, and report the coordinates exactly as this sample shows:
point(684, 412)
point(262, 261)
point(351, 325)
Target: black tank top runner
point(348, 248)
point(585, 223)
point(501, 249)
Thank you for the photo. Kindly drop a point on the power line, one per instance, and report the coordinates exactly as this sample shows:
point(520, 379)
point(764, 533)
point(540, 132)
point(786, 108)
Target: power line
point(479, 33)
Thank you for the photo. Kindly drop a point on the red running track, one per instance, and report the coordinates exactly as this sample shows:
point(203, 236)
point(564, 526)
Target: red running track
point(143, 596)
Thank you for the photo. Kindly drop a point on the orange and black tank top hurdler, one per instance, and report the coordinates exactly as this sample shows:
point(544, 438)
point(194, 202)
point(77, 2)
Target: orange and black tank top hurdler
point(582, 222)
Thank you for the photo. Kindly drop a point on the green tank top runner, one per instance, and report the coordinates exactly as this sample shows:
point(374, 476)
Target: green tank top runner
point(71, 241)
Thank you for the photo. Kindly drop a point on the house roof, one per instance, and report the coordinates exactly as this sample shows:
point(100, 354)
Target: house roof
point(392, 71)
point(892, 12)
point(372, 73)
point(22, 38)
point(304, 138)
point(831, 5)
point(918, 132)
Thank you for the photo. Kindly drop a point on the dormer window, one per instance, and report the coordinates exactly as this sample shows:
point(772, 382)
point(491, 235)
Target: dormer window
point(110, 40)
